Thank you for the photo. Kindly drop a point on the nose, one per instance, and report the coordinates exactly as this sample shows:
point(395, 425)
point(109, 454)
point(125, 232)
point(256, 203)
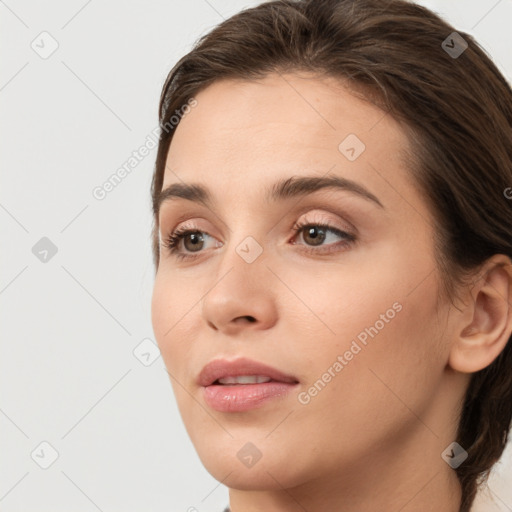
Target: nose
point(241, 296)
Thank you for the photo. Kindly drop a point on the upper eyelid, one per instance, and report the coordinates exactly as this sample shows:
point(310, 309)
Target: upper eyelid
point(182, 218)
point(324, 211)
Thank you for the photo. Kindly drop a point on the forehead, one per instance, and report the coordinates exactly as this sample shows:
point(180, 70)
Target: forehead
point(283, 108)
point(242, 136)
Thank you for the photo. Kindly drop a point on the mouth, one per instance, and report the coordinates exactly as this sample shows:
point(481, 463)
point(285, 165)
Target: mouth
point(241, 371)
point(242, 384)
point(243, 380)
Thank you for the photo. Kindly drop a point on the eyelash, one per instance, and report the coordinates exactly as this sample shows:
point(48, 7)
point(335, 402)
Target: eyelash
point(173, 239)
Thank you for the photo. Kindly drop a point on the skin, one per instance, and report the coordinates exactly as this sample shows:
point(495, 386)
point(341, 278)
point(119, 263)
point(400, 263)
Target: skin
point(372, 438)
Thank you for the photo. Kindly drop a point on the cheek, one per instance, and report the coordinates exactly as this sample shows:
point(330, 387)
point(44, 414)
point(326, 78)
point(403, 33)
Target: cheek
point(369, 296)
point(339, 302)
point(384, 327)
point(162, 306)
point(384, 355)
point(170, 310)
point(172, 306)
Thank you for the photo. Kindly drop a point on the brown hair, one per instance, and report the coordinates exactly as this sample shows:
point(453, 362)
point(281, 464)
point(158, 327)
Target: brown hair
point(458, 114)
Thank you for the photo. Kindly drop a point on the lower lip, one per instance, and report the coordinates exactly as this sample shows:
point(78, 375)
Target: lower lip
point(243, 397)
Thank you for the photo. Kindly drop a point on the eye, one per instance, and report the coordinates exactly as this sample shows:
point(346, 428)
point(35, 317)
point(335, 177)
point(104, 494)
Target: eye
point(317, 233)
point(193, 240)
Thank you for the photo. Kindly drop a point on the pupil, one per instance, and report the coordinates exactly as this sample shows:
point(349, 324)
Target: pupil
point(195, 239)
point(318, 238)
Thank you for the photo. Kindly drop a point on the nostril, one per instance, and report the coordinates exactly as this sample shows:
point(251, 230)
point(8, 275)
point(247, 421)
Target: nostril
point(249, 318)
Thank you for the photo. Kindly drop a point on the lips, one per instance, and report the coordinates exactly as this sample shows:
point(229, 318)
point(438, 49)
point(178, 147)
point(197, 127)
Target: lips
point(242, 385)
point(224, 369)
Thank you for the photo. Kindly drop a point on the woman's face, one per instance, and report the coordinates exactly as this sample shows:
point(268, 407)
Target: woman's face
point(348, 311)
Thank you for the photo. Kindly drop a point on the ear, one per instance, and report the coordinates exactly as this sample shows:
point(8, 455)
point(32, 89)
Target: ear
point(485, 324)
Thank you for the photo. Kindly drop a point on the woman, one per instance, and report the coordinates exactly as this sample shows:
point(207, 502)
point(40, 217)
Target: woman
point(333, 241)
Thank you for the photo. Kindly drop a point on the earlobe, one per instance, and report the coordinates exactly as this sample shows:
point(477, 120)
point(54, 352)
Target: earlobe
point(485, 325)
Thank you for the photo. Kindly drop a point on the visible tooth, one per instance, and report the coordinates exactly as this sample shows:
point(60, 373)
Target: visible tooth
point(245, 379)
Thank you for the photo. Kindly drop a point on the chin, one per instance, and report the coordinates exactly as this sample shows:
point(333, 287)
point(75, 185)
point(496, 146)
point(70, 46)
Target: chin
point(232, 465)
point(257, 478)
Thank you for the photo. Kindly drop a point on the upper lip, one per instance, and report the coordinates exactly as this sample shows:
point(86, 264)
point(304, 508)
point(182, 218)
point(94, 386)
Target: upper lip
point(220, 368)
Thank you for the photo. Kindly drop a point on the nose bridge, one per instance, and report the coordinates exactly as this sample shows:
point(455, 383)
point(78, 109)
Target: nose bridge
point(241, 286)
point(243, 262)
point(245, 241)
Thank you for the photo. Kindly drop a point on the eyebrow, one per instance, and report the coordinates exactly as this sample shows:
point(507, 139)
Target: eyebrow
point(295, 186)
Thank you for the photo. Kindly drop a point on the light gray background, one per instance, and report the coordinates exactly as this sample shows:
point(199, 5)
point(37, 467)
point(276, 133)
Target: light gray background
point(69, 376)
